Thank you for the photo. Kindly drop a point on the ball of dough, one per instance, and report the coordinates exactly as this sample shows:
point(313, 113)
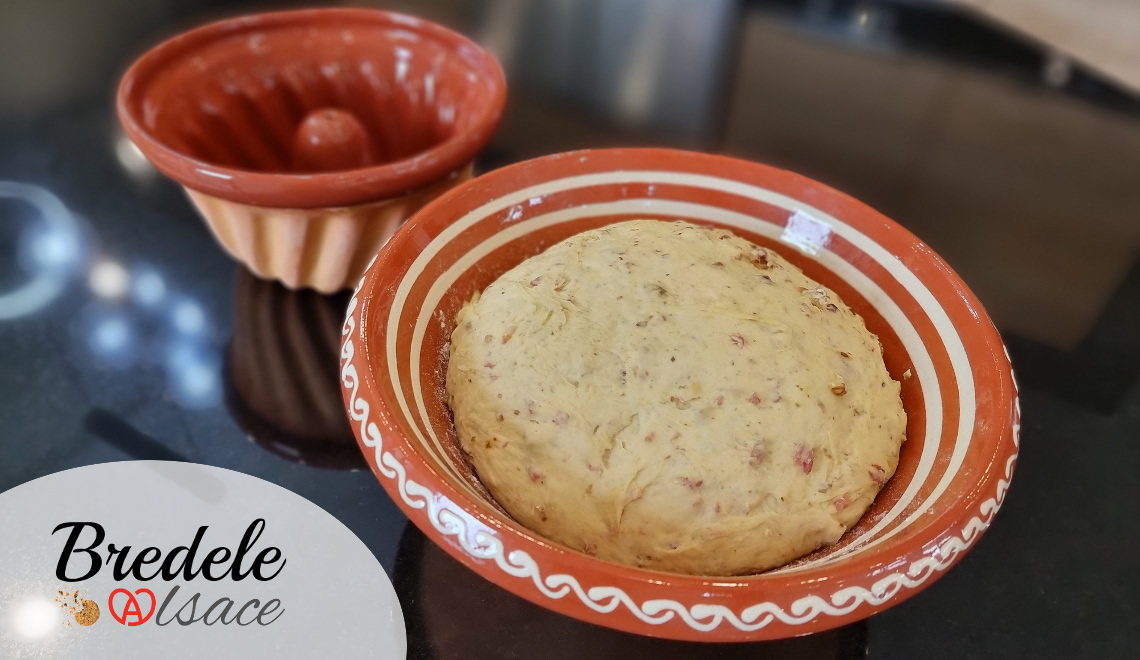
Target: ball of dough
point(673, 397)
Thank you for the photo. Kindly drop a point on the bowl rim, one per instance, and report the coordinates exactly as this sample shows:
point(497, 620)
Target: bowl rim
point(322, 189)
point(964, 521)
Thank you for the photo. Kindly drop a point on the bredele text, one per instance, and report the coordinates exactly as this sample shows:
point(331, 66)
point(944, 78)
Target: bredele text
point(180, 563)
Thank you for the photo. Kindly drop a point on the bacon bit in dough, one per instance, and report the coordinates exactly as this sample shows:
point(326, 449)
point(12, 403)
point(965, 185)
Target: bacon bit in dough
point(717, 507)
point(510, 333)
point(594, 468)
point(739, 341)
point(838, 388)
point(840, 504)
point(649, 438)
point(681, 404)
point(499, 417)
point(805, 457)
point(536, 280)
point(535, 476)
point(845, 354)
point(878, 474)
point(718, 264)
point(690, 484)
point(489, 365)
point(758, 456)
point(754, 399)
point(720, 400)
point(561, 418)
point(516, 412)
point(676, 435)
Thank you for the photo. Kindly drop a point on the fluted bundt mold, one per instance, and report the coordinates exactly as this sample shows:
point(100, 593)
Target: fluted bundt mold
point(306, 137)
point(217, 108)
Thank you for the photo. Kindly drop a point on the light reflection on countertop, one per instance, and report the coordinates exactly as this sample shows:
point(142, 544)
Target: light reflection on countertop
point(131, 316)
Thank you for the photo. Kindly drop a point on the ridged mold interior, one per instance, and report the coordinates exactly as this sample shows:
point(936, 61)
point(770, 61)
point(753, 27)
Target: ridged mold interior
point(237, 101)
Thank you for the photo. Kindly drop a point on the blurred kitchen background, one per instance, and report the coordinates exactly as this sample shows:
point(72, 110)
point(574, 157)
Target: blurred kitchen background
point(1005, 133)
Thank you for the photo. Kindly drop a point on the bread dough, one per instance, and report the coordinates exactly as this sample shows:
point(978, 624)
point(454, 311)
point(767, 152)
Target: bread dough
point(673, 397)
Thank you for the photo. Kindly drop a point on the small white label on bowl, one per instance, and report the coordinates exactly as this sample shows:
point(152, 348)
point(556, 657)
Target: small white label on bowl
point(806, 233)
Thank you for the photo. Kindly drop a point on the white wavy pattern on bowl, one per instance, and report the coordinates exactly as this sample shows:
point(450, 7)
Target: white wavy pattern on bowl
point(481, 542)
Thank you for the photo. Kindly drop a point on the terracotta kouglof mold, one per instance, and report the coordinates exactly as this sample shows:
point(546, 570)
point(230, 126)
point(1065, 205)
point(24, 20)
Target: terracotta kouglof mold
point(305, 138)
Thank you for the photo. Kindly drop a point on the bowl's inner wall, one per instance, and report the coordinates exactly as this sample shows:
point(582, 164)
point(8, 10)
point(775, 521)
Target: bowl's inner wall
point(437, 335)
point(237, 100)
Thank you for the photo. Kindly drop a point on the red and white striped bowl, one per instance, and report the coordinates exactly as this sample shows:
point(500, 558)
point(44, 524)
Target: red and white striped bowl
point(957, 388)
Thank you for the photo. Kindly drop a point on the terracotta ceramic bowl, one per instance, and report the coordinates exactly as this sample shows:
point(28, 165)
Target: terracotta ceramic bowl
point(957, 388)
point(305, 138)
